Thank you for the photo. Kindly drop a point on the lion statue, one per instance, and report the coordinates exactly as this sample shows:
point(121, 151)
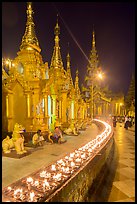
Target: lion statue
point(17, 141)
point(7, 144)
point(71, 130)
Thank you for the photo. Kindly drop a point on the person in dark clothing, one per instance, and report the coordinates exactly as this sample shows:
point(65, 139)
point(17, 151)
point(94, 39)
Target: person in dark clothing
point(56, 135)
point(126, 123)
point(114, 121)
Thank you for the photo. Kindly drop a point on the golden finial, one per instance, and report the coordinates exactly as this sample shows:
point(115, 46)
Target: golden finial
point(29, 39)
point(77, 72)
point(93, 38)
point(56, 60)
point(57, 28)
point(68, 59)
point(68, 56)
point(77, 82)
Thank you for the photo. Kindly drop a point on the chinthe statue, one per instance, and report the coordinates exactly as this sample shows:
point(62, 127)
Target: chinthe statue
point(71, 130)
point(17, 141)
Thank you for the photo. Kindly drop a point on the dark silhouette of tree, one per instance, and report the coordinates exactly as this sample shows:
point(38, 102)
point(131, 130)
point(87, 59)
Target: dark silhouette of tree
point(130, 97)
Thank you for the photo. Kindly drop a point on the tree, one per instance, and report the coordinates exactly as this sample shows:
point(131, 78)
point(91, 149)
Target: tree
point(130, 97)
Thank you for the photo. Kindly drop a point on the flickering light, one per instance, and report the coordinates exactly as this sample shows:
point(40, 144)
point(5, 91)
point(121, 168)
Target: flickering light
point(53, 168)
point(9, 188)
point(63, 168)
point(43, 173)
point(36, 183)
point(29, 180)
point(32, 194)
point(46, 183)
point(72, 164)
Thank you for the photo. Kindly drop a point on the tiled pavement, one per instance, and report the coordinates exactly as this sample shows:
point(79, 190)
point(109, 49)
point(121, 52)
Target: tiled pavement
point(14, 169)
point(123, 186)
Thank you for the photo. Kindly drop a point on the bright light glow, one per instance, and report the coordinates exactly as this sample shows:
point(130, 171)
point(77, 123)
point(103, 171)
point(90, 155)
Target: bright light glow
point(7, 61)
point(100, 76)
point(63, 168)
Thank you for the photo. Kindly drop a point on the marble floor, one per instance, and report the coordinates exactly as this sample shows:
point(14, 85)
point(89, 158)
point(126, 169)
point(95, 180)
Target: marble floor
point(123, 186)
point(116, 181)
point(14, 169)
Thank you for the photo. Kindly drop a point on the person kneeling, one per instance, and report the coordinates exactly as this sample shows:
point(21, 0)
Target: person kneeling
point(37, 139)
point(57, 135)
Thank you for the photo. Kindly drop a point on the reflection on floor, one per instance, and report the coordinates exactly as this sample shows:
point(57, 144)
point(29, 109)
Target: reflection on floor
point(123, 188)
point(116, 182)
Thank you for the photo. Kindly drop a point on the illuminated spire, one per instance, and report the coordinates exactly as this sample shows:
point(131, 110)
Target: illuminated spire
point(69, 70)
point(68, 59)
point(29, 40)
point(77, 90)
point(93, 40)
point(56, 61)
point(93, 57)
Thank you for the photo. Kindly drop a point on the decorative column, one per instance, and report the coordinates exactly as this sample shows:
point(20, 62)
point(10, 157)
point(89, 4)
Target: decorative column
point(28, 105)
point(64, 106)
point(45, 104)
point(35, 99)
point(53, 111)
point(9, 111)
point(7, 106)
point(60, 110)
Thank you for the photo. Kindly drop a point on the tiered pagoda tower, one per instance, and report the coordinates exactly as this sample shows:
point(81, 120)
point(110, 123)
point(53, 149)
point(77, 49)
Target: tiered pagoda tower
point(91, 90)
point(23, 85)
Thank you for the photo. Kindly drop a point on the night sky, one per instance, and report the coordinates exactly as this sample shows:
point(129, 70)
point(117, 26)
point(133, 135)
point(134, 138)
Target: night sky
point(114, 25)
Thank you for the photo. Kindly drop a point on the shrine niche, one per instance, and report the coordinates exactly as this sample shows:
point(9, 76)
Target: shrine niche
point(19, 105)
point(101, 104)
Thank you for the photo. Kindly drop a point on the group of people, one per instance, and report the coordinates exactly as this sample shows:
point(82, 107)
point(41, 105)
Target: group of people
point(38, 139)
point(128, 121)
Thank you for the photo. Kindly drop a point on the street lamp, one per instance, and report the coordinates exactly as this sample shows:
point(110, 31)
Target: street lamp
point(98, 76)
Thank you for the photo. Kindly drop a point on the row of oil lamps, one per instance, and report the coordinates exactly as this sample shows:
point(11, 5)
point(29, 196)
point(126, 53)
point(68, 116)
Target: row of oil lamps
point(47, 180)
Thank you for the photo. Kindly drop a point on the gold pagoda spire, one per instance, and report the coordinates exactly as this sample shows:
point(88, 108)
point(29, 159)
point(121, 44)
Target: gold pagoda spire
point(68, 59)
point(68, 69)
point(93, 40)
point(77, 90)
point(29, 40)
point(93, 58)
point(56, 61)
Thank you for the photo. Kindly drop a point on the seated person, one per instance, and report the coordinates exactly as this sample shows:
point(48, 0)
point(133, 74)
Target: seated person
point(57, 135)
point(37, 139)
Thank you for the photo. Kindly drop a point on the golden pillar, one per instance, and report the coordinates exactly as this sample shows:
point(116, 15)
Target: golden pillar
point(116, 109)
point(60, 109)
point(46, 117)
point(28, 105)
point(35, 101)
point(64, 106)
point(7, 106)
point(9, 111)
point(72, 110)
point(45, 104)
point(54, 117)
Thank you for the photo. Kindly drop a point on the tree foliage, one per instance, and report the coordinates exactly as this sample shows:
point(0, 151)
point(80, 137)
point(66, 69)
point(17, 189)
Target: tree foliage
point(130, 97)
